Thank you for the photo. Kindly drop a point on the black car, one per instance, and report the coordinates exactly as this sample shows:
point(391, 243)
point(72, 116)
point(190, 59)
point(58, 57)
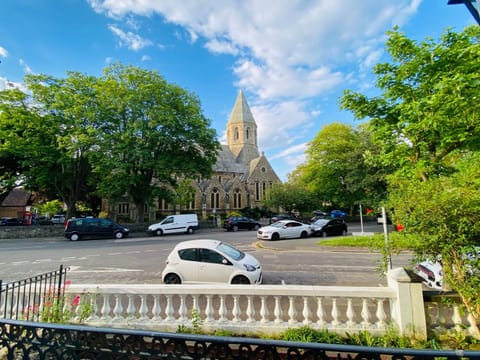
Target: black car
point(10, 221)
point(76, 229)
point(235, 223)
point(327, 227)
point(279, 217)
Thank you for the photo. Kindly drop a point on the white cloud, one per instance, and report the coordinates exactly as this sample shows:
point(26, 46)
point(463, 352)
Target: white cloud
point(132, 41)
point(25, 66)
point(287, 53)
point(3, 52)
point(145, 58)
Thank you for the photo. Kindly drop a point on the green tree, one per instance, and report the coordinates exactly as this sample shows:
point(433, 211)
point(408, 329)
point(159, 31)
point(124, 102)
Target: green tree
point(65, 137)
point(426, 124)
point(290, 196)
point(151, 134)
point(336, 170)
point(428, 107)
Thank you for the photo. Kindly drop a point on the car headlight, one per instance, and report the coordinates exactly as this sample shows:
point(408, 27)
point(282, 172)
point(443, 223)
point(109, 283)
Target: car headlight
point(249, 267)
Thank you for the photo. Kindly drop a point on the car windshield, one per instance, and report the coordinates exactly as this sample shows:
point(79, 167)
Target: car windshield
point(229, 250)
point(320, 222)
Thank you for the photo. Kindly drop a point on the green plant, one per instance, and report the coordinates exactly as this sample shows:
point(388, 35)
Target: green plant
point(196, 321)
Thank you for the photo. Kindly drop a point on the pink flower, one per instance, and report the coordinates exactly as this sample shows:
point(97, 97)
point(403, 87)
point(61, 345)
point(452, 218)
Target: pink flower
point(68, 282)
point(76, 300)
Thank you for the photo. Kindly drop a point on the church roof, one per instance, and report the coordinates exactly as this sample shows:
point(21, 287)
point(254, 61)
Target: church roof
point(226, 162)
point(241, 111)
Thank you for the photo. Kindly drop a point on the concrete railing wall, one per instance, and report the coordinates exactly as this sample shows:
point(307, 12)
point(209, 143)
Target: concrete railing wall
point(264, 309)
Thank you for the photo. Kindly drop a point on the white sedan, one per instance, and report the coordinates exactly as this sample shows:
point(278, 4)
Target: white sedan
point(284, 229)
point(210, 261)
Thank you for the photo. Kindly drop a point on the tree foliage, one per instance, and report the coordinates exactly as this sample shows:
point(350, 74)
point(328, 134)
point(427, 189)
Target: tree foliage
point(127, 134)
point(426, 124)
point(151, 134)
point(336, 171)
point(290, 197)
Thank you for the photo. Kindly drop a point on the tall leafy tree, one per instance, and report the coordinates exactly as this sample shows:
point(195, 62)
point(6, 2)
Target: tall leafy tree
point(336, 170)
point(428, 107)
point(426, 124)
point(69, 114)
point(151, 134)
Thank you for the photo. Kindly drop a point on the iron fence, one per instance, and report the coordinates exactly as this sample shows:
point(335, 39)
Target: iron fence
point(23, 299)
point(30, 340)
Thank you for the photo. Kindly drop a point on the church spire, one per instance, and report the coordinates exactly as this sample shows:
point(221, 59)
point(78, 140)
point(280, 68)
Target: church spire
point(242, 131)
point(241, 111)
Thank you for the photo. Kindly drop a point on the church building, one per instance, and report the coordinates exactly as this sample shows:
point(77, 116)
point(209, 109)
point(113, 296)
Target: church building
point(241, 174)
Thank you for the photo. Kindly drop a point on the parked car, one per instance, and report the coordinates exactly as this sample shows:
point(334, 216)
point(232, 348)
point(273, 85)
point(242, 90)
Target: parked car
point(284, 229)
point(82, 228)
point(431, 273)
point(328, 227)
point(279, 217)
point(175, 224)
point(210, 261)
point(58, 219)
point(10, 221)
point(337, 214)
point(235, 223)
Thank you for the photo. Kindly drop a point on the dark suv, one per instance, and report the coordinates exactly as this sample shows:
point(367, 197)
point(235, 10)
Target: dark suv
point(235, 223)
point(76, 229)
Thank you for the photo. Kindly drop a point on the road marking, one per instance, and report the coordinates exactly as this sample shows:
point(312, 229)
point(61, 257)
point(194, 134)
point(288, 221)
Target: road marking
point(76, 269)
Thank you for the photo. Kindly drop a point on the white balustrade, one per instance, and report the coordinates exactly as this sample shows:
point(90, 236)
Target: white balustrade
point(239, 308)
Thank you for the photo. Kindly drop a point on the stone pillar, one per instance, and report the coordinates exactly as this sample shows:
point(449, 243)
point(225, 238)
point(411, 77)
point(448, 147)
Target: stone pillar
point(408, 309)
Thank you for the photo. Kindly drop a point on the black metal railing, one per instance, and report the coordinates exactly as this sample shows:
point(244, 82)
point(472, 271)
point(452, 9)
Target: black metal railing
point(33, 340)
point(23, 299)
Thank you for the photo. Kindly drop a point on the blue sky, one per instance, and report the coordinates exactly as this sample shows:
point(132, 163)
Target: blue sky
point(292, 58)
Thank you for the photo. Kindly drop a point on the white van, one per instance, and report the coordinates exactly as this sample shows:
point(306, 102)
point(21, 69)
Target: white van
point(184, 223)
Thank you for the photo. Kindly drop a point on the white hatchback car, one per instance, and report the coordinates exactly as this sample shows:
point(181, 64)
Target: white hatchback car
point(210, 261)
point(284, 229)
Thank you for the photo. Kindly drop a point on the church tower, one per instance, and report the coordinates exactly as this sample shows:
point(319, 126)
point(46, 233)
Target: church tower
point(242, 132)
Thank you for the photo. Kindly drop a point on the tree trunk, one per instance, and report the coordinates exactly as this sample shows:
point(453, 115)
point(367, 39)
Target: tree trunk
point(140, 206)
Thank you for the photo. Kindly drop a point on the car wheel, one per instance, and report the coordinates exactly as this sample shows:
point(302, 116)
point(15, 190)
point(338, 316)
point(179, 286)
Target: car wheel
point(240, 280)
point(172, 279)
point(275, 236)
point(235, 228)
point(344, 232)
point(324, 234)
point(256, 227)
point(118, 235)
point(190, 230)
point(159, 232)
point(74, 237)
point(304, 235)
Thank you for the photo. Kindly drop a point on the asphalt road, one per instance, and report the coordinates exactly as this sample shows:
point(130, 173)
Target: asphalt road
point(141, 259)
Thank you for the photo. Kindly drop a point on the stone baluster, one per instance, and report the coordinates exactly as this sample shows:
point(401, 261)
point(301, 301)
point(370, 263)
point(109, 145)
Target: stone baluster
point(250, 309)
point(292, 311)
point(105, 312)
point(320, 313)
point(350, 314)
point(278, 311)
point(209, 310)
point(156, 310)
point(457, 319)
point(131, 308)
point(236, 309)
point(169, 309)
point(264, 310)
point(381, 316)
point(222, 311)
point(142, 312)
point(118, 309)
point(183, 311)
point(195, 306)
point(306, 312)
point(365, 314)
point(335, 315)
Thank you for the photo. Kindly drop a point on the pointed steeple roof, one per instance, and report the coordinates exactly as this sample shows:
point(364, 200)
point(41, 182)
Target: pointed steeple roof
point(241, 111)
